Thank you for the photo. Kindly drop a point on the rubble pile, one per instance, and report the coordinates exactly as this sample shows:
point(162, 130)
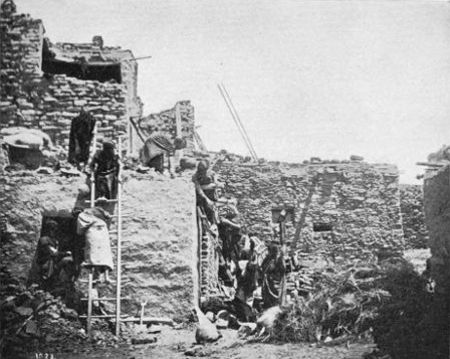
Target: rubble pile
point(33, 320)
point(345, 210)
point(387, 299)
point(413, 217)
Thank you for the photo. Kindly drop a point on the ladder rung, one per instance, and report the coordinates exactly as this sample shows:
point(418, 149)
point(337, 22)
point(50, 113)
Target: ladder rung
point(102, 316)
point(106, 299)
point(112, 282)
point(103, 200)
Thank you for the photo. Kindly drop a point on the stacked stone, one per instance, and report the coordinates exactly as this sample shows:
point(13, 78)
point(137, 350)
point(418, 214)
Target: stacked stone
point(67, 96)
point(437, 216)
point(413, 217)
point(21, 43)
point(359, 201)
point(165, 122)
point(50, 103)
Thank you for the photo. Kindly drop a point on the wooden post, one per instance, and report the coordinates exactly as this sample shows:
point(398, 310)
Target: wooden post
point(91, 158)
point(89, 311)
point(119, 239)
point(178, 120)
point(282, 224)
point(130, 138)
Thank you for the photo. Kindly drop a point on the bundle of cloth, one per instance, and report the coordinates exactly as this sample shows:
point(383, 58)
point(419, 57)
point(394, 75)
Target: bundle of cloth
point(92, 223)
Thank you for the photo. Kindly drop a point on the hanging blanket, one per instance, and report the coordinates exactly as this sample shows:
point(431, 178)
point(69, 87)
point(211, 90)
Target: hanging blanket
point(81, 133)
point(97, 251)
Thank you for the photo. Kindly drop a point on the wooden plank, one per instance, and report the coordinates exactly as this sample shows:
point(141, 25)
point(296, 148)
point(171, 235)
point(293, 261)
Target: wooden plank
point(149, 320)
point(102, 316)
point(105, 299)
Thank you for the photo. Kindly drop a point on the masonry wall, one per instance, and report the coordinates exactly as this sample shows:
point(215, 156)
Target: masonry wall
point(437, 213)
point(359, 200)
point(413, 217)
point(30, 99)
point(159, 254)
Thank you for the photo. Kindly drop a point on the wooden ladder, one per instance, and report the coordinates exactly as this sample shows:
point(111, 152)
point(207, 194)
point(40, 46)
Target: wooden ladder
point(118, 232)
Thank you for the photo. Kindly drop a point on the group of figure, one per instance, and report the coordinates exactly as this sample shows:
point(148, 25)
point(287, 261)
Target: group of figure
point(245, 263)
point(92, 224)
point(54, 265)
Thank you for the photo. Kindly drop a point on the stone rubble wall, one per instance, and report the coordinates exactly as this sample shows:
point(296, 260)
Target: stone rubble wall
point(436, 191)
point(413, 217)
point(50, 102)
point(360, 200)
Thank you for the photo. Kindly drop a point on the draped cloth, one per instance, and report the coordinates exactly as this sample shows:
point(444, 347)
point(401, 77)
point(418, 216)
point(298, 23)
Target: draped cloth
point(97, 251)
point(80, 137)
point(156, 147)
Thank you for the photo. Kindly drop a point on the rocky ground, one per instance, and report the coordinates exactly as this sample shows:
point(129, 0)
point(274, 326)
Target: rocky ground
point(173, 344)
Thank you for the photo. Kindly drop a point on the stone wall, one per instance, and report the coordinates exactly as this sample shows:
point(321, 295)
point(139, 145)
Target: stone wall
point(437, 215)
point(32, 99)
point(20, 60)
point(359, 201)
point(413, 217)
point(165, 122)
point(159, 257)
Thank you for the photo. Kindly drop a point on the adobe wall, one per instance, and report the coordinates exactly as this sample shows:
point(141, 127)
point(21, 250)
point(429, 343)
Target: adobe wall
point(159, 239)
point(361, 201)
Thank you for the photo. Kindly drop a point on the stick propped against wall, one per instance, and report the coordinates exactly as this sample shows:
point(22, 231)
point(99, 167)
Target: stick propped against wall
point(237, 120)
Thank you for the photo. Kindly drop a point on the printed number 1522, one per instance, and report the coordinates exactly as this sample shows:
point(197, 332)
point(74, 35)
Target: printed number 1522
point(44, 356)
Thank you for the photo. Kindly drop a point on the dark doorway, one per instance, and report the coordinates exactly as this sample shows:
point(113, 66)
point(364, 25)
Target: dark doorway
point(80, 68)
point(65, 240)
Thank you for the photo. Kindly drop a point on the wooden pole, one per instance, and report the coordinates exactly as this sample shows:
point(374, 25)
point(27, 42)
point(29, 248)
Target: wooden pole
point(89, 312)
point(137, 130)
point(178, 119)
point(119, 239)
point(252, 149)
point(283, 251)
point(233, 116)
point(430, 164)
point(91, 273)
point(91, 157)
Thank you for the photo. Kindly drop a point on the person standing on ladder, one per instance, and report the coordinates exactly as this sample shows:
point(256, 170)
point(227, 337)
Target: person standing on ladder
point(105, 165)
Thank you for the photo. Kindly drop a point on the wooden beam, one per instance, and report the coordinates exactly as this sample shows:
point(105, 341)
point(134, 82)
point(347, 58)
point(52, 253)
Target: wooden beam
point(431, 164)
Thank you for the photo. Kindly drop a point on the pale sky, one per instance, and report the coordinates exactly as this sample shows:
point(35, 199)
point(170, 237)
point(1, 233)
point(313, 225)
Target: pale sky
point(308, 78)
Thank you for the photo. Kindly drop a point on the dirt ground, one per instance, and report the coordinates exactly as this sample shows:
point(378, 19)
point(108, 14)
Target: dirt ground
point(173, 344)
